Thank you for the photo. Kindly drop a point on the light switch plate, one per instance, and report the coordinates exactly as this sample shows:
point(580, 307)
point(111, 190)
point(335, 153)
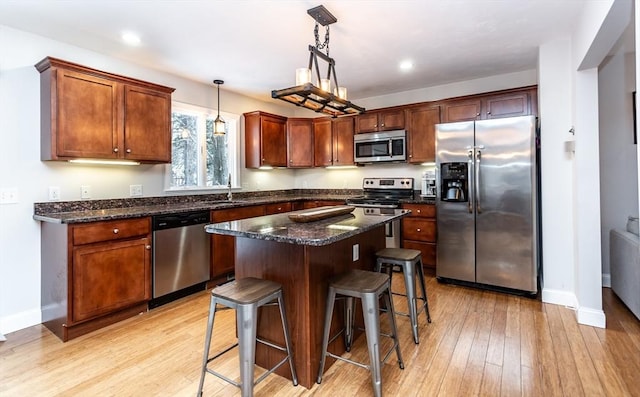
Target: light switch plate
point(54, 193)
point(9, 195)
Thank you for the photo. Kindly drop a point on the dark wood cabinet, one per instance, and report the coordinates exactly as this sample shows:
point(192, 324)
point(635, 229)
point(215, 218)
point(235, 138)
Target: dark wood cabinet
point(300, 139)
point(87, 113)
point(94, 274)
point(419, 231)
point(333, 141)
point(265, 140)
point(224, 247)
point(321, 203)
point(277, 208)
point(380, 120)
point(508, 103)
point(421, 133)
point(322, 142)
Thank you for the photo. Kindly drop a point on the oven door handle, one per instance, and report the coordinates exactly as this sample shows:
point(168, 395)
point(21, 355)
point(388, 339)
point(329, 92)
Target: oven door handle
point(373, 205)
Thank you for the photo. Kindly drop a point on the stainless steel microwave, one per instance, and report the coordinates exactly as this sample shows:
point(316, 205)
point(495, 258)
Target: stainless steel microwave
point(380, 146)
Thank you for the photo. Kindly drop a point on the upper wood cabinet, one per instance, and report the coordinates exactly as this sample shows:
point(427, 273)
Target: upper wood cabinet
point(421, 133)
point(87, 113)
point(333, 141)
point(265, 140)
point(518, 102)
point(381, 120)
point(300, 142)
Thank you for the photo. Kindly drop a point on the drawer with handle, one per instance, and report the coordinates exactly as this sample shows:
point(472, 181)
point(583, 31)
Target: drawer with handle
point(110, 230)
point(419, 229)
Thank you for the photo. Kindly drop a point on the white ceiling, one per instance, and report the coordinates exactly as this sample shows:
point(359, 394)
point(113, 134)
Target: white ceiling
point(256, 45)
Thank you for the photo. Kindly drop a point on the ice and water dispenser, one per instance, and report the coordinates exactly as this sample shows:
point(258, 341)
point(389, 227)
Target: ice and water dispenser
point(454, 183)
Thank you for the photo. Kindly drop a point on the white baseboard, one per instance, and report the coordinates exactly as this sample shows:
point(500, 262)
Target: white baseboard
point(606, 280)
point(558, 297)
point(592, 317)
point(20, 321)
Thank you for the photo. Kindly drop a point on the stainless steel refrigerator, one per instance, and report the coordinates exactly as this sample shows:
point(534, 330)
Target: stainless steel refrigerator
point(487, 203)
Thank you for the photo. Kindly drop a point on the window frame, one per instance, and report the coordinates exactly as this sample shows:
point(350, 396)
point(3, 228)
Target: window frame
point(234, 143)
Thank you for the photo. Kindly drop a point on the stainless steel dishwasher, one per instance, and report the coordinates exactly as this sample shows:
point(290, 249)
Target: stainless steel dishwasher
point(181, 255)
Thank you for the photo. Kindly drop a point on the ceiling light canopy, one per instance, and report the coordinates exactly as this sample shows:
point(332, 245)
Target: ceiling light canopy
point(321, 97)
point(219, 126)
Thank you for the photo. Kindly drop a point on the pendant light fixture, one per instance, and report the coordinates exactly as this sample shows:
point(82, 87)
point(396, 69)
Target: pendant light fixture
point(219, 124)
point(320, 98)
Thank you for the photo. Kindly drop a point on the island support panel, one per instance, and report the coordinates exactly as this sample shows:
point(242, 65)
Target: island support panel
point(304, 272)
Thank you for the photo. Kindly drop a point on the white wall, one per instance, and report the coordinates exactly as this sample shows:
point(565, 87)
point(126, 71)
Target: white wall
point(618, 155)
point(554, 94)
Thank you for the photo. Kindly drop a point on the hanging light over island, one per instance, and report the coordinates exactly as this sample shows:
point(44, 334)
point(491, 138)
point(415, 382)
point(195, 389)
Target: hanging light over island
point(320, 98)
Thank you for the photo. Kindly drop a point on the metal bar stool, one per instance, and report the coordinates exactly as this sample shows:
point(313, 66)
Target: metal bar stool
point(245, 296)
point(410, 262)
point(368, 286)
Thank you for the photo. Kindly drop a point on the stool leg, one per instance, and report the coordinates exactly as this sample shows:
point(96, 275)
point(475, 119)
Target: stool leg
point(424, 289)
point(370, 311)
point(331, 296)
point(207, 343)
point(287, 338)
point(349, 314)
point(410, 285)
point(247, 324)
point(394, 329)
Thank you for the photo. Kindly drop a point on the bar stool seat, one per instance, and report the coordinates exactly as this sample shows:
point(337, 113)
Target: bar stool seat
point(246, 296)
point(368, 287)
point(410, 263)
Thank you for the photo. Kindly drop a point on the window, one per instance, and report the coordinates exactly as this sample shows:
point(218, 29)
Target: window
point(200, 160)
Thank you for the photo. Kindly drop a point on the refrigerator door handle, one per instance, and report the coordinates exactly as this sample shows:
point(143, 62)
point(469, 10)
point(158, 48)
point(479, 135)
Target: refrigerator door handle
point(476, 182)
point(470, 180)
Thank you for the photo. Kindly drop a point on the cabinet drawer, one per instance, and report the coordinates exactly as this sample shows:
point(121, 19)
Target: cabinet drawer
point(421, 210)
point(110, 230)
point(277, 208)
point(428, 251)
point(321, 203)
point(233, 214)
point(419, 229)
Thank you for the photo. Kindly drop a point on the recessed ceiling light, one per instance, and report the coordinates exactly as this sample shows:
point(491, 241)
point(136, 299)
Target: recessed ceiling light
point(131, 38)
point(406, 65)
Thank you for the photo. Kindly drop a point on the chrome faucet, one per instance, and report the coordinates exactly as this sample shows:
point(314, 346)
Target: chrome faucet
point(229, 195)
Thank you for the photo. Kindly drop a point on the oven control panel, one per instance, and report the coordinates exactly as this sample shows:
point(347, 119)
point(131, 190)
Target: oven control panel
point(388, 183)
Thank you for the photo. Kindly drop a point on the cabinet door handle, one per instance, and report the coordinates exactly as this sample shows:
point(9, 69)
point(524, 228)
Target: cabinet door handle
point(115, 150)
point(382, 125)
point(418, 230)
point(418, 211)
point(477, 114)
point(116, 231)
point(147, 247)
point(488, 113)
point(128, 150)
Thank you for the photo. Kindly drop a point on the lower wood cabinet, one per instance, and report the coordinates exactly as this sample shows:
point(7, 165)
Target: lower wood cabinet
point(94, 274)
point(277, 208)
point(321, 203)
point(419, 231)
point(223, 247)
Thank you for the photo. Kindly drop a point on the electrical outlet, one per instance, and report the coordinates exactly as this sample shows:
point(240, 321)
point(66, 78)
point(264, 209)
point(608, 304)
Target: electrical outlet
point(54, 193)
point(356, 252)
point(85, 191)
point(135, 190)
point(9, 195)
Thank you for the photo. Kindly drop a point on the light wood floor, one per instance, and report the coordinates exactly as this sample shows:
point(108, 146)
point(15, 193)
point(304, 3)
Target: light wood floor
point(479, 343)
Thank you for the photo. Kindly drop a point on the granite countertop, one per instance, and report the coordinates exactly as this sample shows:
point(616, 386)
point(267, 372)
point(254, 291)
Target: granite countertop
point(280, 228)
point(103, 210)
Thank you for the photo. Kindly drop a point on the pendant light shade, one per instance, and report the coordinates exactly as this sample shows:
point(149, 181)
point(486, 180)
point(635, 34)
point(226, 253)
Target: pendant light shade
point(219, 126)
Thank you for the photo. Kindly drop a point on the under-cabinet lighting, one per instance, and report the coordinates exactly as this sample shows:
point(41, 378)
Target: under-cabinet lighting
point(429, 164)
point(340, 167)
point(105, 162)
point(265, 167)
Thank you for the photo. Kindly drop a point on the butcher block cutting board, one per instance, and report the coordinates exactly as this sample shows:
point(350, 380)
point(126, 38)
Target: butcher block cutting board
point(316, 214)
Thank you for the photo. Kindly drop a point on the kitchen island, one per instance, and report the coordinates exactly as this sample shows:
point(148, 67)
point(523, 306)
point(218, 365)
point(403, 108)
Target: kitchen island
point(303, 256)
